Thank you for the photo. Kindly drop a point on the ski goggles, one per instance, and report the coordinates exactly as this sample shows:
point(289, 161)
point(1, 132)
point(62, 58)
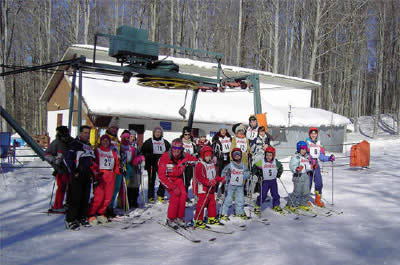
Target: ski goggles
point(236, 153)
point(177, 148)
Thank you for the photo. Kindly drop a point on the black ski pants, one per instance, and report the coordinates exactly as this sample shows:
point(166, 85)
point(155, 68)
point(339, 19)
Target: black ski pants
point(152, 175)
point(79, 197)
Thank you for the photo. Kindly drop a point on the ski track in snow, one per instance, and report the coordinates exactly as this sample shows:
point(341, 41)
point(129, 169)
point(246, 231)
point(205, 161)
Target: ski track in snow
point(366, 233)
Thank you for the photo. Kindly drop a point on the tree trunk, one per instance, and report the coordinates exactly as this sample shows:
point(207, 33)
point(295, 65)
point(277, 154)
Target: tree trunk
point(315, 41)
point(171, 28)
point(78, 6)
point(302, 40)
point(381, 26)
point(291, 31)
point(276, 38)
point(239, 34)
point(86, 22)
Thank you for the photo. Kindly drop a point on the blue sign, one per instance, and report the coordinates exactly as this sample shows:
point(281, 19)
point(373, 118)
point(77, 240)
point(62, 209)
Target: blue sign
point(166, 125)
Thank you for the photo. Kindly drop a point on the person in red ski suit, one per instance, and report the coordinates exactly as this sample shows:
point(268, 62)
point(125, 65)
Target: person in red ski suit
point(171, 166)
point(204, 186)
point(107, 166)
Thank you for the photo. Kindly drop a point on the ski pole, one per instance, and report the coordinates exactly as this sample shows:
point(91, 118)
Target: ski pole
point(332, 184)
point(202, 208)
point(52, 193)
point(290, 198)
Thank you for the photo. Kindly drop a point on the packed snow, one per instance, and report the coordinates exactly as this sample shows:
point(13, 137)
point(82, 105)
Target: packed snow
point(366, 233)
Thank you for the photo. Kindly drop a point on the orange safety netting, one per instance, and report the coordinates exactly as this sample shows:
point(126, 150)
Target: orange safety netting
point(359, 155)
point(262, 120)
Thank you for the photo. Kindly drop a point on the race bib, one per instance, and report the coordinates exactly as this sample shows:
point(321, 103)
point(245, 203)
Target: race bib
point(158, 147)
point(315, 148)
point(170, 168)
point(236, 176)
point(106, 159)
point(242, 144)
point(251, 134)
point(210, 170)
point(269, 170)
point(226, 144)
point(188, 148)
point(305, 163)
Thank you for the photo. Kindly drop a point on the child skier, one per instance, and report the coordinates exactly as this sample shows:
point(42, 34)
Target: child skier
point(107, 163)
point(271, 169)
point(190, 148)
point(235, 173)
point(252, 130)
point(171, 166)
point(221, 145)
point(204, 186)
point(240, 141)
point(132, 160)
point(201, 142)
point(317, 152)
point(300, 165)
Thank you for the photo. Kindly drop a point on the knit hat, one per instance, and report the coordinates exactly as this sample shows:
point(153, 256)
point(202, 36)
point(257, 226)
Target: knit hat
point(158, 128)
point(206, 150)
point(105, 136)
point(241, 127)
point(186, 129)
point(252, 118)
point(223, 126)
point(312, 129)
point(301, 145)
point(125, 135)
point(270, 149)
point(236, 151)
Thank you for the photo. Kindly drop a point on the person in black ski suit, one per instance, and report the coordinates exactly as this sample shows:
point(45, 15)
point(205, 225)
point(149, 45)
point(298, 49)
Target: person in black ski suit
point(221, 145)
point(152, 150)
point(79, 159)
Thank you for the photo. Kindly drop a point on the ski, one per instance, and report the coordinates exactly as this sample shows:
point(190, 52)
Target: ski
point(212, 229)
point(136, 223)
point(261, 220)
point(52, 212)
point(182, 232)
point(321, 211)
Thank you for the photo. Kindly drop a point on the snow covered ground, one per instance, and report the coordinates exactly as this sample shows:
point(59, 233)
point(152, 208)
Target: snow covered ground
point(366, 233)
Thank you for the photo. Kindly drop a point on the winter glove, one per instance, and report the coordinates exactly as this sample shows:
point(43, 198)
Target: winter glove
point(315, 166)
point(299, 168)
point(212, 183)
point(332, 158)
point(223, 180)
point(177, 192)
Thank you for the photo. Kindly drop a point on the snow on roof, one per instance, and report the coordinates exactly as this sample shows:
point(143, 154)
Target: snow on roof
point(108, 95)
point(213, 66)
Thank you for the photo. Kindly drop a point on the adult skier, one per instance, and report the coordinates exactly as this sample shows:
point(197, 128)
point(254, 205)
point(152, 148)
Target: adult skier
point(152, 149)
point(55, 154)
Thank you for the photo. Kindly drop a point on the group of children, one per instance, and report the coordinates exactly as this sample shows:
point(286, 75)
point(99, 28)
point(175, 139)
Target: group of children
point(232, 161)
point(228, 163)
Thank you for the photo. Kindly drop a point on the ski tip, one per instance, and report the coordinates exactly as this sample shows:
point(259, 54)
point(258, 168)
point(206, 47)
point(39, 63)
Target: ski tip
point(212, 239)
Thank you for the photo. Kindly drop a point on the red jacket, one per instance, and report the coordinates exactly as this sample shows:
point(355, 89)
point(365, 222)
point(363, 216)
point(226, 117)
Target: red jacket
point(96, 168)
point(201, 183)
point(170, 169)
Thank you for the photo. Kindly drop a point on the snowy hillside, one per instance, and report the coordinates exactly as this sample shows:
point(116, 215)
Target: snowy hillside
point(366, 233)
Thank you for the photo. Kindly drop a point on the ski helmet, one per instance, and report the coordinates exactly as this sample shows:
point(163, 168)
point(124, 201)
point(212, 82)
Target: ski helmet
point(236, 151)
point(312, 129)
point(301, 145)
point(206, 150)
point(270, 149)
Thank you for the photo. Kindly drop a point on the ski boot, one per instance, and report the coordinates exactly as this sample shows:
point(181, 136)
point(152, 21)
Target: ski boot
point(318, 201)
point(180, 222)
point(225, 218)
point(213, 221)
point(290, 208)
point(160, 199)
point(93, 220)
point(171, 223)
point(243, 216)
point(309, 204)
point(304, 208)
point(200, 224)
point(101, 219)
point(277, 209)
point(257, 209)
point(84, 222)
point(74, 225)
